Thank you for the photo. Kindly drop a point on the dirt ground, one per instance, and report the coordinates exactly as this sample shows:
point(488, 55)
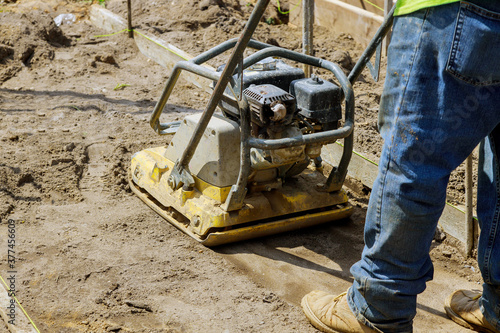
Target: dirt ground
point(91, 257)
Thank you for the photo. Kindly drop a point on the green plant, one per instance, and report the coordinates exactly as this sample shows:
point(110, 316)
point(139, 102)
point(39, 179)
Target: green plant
point(74, 107)
point(120, 86)
point(271, 21)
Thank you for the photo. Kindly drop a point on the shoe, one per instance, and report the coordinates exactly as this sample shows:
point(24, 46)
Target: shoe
point(463, 308)
point(332, 314)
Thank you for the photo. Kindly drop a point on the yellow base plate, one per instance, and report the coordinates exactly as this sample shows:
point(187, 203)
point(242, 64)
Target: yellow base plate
point(298, 204)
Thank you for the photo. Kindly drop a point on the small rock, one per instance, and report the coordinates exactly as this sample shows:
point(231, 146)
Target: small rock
point(113, 328)
point(139, 305)
point(439, 235)
point(69, 146)
point(5, 52)
point(204, 4)
point(272, 41)
point(447, 254)
point(107, 58)
point(269, 298)
point(56, 161)
point(343, 58)
point(25, 178)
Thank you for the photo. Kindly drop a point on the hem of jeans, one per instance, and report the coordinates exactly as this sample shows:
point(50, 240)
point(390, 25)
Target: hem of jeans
point(361, 318)
point(354, 309)
point(495, 322)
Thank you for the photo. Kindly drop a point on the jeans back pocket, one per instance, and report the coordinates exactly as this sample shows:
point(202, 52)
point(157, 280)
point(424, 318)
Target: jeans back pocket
point(475, 51)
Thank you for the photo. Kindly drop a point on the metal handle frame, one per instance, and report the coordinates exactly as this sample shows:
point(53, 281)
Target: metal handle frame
point(194, 65)
point(180, 174)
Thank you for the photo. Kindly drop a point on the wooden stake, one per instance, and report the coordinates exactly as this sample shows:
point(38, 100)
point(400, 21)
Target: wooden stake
point(129, 7)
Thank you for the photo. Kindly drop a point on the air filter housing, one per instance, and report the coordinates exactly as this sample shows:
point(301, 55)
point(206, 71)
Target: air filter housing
point(318, 99)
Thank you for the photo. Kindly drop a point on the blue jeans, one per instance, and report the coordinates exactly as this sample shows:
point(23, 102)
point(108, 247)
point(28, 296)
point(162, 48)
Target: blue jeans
point(441, 99)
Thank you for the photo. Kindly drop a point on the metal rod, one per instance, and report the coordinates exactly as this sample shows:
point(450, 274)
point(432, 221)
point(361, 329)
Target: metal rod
point(238, 191)
point(307, 31)
point(223, 47)
point(388, 4)
point(129, 9)
point(320, 137)
point(372, 47)
point(250, 27)
point(154, 120)
point(469, 221)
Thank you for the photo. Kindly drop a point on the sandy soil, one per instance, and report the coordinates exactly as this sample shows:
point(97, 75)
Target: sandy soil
point(91, 257)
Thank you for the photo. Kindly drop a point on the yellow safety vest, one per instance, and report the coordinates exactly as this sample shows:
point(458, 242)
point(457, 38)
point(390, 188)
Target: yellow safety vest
point(404, 7)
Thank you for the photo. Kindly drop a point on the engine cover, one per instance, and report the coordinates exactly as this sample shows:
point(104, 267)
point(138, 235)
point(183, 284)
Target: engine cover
point(217, 158)
point(265, 101)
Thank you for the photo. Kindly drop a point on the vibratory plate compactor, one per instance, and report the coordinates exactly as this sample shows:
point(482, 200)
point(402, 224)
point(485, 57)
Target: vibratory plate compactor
point(251, 171)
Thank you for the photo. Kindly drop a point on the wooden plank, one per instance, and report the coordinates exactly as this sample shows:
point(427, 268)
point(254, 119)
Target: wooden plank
point(11, 310)
point(165, 54)
point(106, 20)
point(452, 220)
point(342, 17)
point(295, 11)
point(367, 6)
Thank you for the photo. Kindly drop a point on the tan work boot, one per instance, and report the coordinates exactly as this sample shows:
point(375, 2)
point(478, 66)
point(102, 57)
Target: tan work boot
point(331, 314)
point(463, 308)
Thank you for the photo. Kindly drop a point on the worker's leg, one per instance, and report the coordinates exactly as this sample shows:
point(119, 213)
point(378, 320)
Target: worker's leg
point(434, 112)
point(488, 208)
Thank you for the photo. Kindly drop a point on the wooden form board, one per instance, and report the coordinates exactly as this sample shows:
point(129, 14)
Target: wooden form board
point(343, 17)
point(452, 220)
point(152, 47)
point(368, 6)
